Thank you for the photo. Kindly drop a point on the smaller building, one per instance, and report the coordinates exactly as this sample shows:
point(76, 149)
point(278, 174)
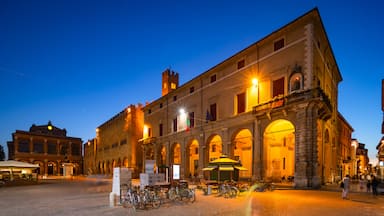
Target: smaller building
point(116, 144)
point(50, 147)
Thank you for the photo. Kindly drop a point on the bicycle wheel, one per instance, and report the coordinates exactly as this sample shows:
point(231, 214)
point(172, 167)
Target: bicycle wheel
point(192, 196)
point(233, 192)
point(155, 199)
point(172, 194)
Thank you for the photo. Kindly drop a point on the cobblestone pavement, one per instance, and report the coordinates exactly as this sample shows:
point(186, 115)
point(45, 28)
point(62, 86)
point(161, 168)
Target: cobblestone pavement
point(91, 197)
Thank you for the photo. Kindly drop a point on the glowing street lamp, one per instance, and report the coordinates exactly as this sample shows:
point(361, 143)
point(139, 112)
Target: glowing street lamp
point(255, 85)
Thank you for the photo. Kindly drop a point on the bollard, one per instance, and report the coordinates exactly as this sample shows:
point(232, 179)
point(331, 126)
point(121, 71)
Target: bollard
point(112, 200)
point(209, 192)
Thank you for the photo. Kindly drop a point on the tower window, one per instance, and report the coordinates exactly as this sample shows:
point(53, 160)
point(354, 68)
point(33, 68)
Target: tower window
point(173, 85)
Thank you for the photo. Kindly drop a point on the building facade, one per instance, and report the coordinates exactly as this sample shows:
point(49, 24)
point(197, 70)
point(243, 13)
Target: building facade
point(48, 146)
point(362, 161)
point(345, 149)
point(272, 106)
point(116, 143)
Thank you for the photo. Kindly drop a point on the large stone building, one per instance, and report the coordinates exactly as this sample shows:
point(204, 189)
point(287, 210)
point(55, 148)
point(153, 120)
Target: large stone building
point(48, 146)
point(116, 144)
point(273, 106)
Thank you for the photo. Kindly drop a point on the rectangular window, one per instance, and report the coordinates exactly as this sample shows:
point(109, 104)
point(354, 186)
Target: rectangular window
point(123, 142)
point(149, 132)
point(240, 103)
point(192, 89)
point(173, 85)
point(191, 119)
point(160, 129)
point(240, 64)
point(278, 44)
point(213, 112)
point(38, 147)
point(175, 98)
point(52, 148)
point(64, 149)
point(213, 78)
point(23, 146)
point(278, 87)
point(76, 149)
point(161, 105)
point(174, 124)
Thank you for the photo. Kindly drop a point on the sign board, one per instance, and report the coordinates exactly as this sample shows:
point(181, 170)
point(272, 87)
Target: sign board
point(121, 176)
point(176, 171)
point(149, 166)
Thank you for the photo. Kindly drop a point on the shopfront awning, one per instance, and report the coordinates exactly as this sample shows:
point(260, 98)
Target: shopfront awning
point(241, 168)
point(208, 168)
point(226, 168)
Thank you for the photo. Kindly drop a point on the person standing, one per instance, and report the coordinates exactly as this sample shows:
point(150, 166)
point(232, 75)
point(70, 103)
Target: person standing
point(345, 191)
point(374, 186)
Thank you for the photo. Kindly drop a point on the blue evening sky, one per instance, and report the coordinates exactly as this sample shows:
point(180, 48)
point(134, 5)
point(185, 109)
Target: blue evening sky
point(78, 63)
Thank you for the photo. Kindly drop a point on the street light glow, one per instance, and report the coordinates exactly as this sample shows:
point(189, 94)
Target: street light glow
point(181, 111)
point(255, 82)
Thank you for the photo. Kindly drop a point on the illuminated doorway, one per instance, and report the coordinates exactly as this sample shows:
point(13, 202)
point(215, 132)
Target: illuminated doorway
point(52, 168)
point(215, 148)
point(279, 150)
point(193, 152)
point(243, 151)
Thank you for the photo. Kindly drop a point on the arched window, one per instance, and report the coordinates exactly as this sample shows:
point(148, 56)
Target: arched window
point(296, 82)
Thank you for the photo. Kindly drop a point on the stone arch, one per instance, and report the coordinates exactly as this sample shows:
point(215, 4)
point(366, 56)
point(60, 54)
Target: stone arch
point(41, 170)
point(125, 162)
point(279, 150)
point(52, 168)
point(242, 151)
point(215, 147)
point(192, 160)
point(162, 153)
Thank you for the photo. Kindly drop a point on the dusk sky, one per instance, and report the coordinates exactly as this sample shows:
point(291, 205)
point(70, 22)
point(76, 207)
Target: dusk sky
point(78, 63)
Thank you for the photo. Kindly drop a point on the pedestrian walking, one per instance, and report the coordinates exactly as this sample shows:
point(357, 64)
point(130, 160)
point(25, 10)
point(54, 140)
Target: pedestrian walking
point(374, 186)
point(368, 186)
point(345, 183)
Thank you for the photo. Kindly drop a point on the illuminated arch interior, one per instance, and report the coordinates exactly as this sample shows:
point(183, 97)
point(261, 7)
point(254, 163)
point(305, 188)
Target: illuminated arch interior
point(177, 154)
point(243, 151)
point(163, 154)
point(279, 149)
point(193, 157)
point(215, 148)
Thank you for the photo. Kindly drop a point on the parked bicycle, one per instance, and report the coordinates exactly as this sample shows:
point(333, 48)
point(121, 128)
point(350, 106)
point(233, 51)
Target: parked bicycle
point(182, 192)
point(263, 186)
point(228, 190)
point(140, 199)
